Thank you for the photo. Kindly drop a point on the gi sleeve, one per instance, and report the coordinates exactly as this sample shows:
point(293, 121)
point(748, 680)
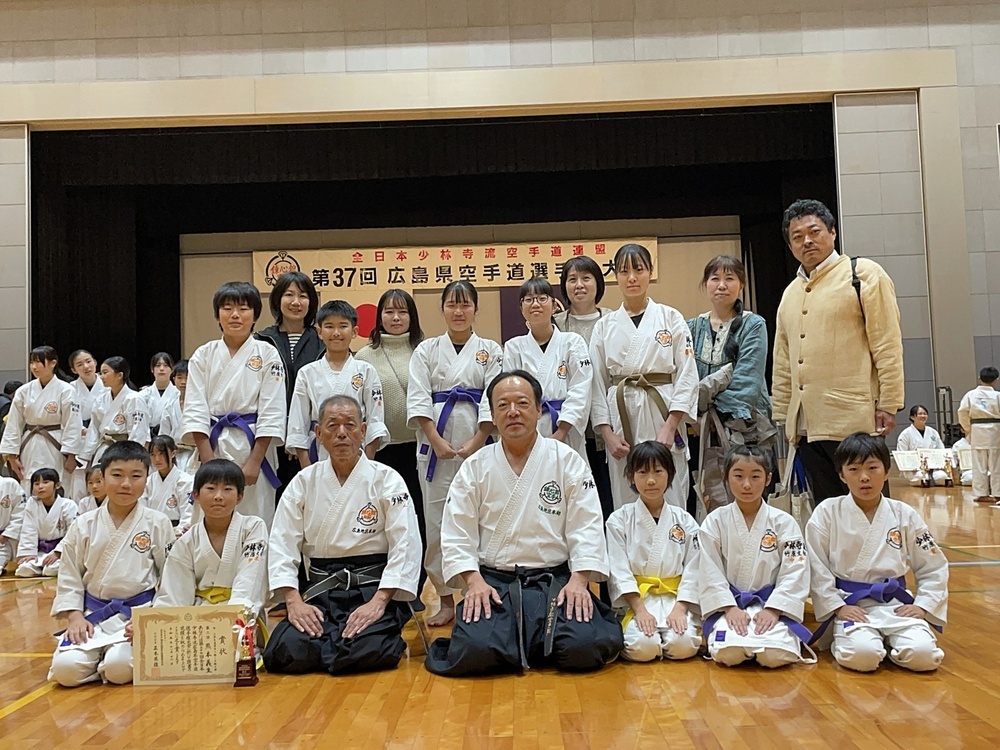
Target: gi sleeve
point(687, 592)
point(178, 584)
point(69, 584)
point(300, 412)
point(196, 417)
point(621, 580)
point(18, 501)
point(138, 418)
point(402, 571)
point(964, 417)
point(72, 424)
point(418, 392)
point(512, 355)
point(588, 547)
point(371, 396)
point(287, 535)
point(826, 597)
point(93, 437)
point(27, 545)
point(930, 568)
point(791, 588)
point(494, 366)
point(250, 581)
point(600, 412)
point(905, 441)
point(713, 585)
point(272, 411)
point(183, 493)
point(576, 406)
point(684, 395)
point(10, 445)
point(460, 527)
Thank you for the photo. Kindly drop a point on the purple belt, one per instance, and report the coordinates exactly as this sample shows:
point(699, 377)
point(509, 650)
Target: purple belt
point(242, 422)
point(103, 609)
point(553, 408)
point(313, 450)
point(745, 598)
point(889, 590)
point(449, 399)
point(48, 545)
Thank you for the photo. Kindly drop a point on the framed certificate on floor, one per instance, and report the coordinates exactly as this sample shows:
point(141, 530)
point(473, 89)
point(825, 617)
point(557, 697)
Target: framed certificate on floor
point(184, 645)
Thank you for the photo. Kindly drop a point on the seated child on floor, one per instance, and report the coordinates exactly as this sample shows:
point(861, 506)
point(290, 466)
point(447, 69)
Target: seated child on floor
point(47, 517)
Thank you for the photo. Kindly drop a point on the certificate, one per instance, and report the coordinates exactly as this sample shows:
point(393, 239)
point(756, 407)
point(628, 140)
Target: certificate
point(907, 460)
point(935, 456)
point(184, 645)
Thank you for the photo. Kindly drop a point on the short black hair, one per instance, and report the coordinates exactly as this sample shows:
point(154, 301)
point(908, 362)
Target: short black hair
point(806, 207)
point(220, 471)
point(166, 444)
point(124, 450)
point(180, 367)
point(536, 387)
point(582, 264)
point(305, 284)
point(163, 357)
point(239, 293)
point(337, 309)
point(341, 398)
point(47, 475)
point(915, 408)
point(646, 455)
point(90, 472)
point(462, 291)
point(634, 256)
point(11, 386)
point(753, 453)
point(858, 447)
point(534, 286)
point(121, 366)
point(989, 374)
point(43, 354)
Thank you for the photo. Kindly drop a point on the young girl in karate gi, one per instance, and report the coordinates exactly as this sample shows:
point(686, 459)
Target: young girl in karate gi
point(653, 548)
point(161, 392)
point(47, 517)
point(447, 406)
point(12, 503)
point(753, 572)
point(920, 435)
point(88, 387)
point(119, 413)
point(168, 488)
point(96, 493)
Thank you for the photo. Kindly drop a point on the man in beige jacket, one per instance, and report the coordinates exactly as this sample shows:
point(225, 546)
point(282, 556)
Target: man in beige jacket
point(838, 350)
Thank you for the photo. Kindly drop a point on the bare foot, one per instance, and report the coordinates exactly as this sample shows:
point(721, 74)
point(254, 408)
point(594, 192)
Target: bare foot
point(444, 615)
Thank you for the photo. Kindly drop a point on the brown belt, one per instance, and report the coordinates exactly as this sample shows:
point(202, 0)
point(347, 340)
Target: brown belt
point(648, 383)
point(111, 439)
point(45, 430)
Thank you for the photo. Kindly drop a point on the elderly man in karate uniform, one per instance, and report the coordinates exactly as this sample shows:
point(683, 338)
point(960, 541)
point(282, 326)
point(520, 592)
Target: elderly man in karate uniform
point(522, 535)
point(344, 556)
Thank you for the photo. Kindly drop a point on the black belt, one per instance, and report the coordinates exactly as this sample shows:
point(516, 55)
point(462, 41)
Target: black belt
point(343, 574)
point(544, 578)
point(985, 420)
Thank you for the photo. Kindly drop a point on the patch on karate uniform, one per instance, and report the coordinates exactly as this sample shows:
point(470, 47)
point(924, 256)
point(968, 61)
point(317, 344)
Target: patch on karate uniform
point(400, 499)
point(74, 408)
point(255, 363)
point(926, 542)
point(4, 502)
point(482, 357)
point(119, 420)
point(368, 515)
point(894, 539)
point(794, 550)
point(141, 542)
point(769, 542)
point(688, 346)
point(357, 380)
point(137, 417)
point(171, 502)
point(551, 493)
point(166, 550)
point(847, 625)
point(663, 337)
point(562, 371)
point(677, 534)
point(694, 541)
point(585, 363)
point(277, 372)
point(720, 636)
point(254, 551)
point(52, 408)
point(377, 396)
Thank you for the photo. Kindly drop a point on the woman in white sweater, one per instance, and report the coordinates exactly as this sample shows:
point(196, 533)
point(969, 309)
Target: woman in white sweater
point(918, 435)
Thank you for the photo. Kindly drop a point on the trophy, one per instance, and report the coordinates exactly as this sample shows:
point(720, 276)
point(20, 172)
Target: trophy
point(925, 475)
point(246, 657)
point(949, 472)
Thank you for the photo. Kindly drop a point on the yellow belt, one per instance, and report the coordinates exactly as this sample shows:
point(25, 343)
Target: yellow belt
point(648, 384)
point(214, 594)
point(652, 585)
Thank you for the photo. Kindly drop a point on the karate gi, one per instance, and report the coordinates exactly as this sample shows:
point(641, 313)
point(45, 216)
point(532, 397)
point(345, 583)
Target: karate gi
point(324, 529)
point(41, 531)
point(525, 534)
point(565, 374)
point(246, 392)
point(104, 569)
point(651, 558)
point(910, 439)
point(43, 427)
point(12, 504)
point(959, 445)
point(771, 553)
point(315, 383)
point(123, 417)
point(435, 371)
point(194, 573)
point(979, 415)
point(85, 397)
point(157, 402)
point(848, 554)
point(171, 495)
point(171, 424)
point(660, 346)
point(89, 503)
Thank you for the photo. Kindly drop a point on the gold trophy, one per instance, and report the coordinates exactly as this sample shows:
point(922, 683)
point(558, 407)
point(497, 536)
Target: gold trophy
point(246, 657)
point(949, 472)
point(925, 474)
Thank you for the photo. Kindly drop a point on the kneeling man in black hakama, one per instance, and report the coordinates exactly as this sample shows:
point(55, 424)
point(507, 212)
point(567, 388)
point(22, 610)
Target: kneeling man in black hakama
point(345, 556)
point(523, 536)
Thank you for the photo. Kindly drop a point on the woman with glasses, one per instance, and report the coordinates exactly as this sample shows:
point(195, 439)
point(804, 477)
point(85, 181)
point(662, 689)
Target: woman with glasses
point(561, 363)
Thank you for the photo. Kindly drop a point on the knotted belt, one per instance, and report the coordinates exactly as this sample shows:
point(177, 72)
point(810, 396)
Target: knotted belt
point(553, 407)
point(546, 579)
point(891, 589)
point(104, 609)
point(45, 430)
point(745, 599)
point(214, 594)
point(109, 438)
point(242, 422)
point(45, 546)
point(652, 585)
point(449, 399)
point(648, 383)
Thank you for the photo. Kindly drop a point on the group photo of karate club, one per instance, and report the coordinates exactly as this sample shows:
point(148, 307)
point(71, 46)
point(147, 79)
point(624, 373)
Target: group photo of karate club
point(605, 486)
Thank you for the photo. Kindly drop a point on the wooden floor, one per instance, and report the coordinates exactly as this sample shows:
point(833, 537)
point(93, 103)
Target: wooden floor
point(688, 704)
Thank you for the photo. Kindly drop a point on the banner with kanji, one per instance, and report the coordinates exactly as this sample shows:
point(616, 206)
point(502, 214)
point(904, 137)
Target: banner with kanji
point(347, 272)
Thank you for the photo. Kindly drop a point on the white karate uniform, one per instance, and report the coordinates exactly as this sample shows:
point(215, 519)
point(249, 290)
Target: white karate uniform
point(85, 397)
point(435, 368)
point(250, 382)
point(123, 417)
point(547, 516)
point(770, 552)
point(194, 565)
point(109, 563)
point(844, 544)
point(12, 504)
point(371, 513)
point(171, 495)
point(963, 444)
point(565, 374)
point(983, 403)
point(910, 439)
point(171, 424)
point(89, 503)
point(316, 382)
point(156, 402)
point(41, 523)
point(51, 406)
point(638, 545)
point(661, 345)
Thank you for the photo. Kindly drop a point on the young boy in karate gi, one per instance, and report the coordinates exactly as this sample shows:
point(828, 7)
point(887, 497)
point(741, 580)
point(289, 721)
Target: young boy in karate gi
point(979, 415)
